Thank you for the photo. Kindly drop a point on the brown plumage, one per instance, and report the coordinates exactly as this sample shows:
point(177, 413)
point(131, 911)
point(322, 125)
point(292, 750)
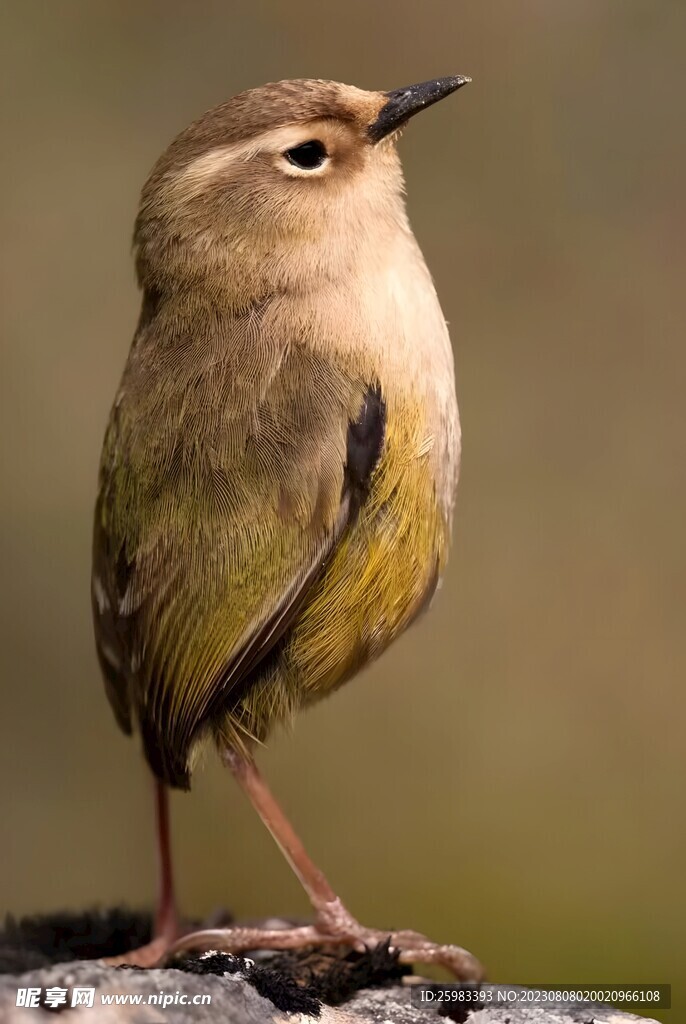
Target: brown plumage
point(222, 479)
point(278, 473)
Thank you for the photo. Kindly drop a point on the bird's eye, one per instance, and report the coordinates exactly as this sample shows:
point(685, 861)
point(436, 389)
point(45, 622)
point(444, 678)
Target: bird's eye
point(308, 156)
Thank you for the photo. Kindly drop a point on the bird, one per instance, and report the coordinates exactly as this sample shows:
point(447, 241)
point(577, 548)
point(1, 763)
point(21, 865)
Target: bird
point(278, 473)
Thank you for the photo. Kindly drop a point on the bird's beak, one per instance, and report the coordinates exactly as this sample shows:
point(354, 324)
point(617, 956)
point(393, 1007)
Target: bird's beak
point(402, 104)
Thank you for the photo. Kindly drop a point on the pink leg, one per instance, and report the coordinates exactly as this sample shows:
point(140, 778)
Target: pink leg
point(166, 922)
point(330, 913)
point(333, 923)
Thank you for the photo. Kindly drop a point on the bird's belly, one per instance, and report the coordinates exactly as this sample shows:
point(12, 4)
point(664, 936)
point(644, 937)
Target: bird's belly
point(381, 578)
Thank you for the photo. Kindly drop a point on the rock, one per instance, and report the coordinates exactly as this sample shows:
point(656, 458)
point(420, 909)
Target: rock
point(234, 999)
point(52, 962)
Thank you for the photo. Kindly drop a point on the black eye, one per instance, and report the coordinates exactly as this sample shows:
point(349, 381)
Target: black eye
point(308, 156)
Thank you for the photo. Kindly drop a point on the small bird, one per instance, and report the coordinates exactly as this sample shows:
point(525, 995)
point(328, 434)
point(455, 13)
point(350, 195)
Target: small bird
point(279, 468)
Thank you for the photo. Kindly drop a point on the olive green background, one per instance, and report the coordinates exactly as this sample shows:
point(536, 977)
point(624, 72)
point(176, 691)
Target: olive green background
point(510, 776)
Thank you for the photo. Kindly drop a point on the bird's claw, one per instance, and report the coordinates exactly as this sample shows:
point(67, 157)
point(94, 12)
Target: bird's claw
point(412, 947)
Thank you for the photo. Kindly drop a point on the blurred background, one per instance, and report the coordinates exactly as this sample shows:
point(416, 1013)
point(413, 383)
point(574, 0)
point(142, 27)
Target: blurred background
point(510, 775)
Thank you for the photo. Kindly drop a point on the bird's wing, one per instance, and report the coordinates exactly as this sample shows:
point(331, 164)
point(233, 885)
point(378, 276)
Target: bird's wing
point(232, 465)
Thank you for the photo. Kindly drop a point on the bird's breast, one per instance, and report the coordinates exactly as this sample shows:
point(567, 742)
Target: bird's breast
point(383, 323)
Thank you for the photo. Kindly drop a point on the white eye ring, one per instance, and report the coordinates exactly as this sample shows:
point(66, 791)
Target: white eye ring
point(307, 158)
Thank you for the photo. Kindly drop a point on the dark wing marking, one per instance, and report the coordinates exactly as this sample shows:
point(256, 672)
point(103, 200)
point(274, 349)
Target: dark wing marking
point(364, 446)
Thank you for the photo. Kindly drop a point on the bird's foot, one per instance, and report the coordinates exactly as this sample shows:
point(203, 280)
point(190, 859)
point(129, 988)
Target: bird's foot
point(149, 955)
point(167, 929)
point(334, 926)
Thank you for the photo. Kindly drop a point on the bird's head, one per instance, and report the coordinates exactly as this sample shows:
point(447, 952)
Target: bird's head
point(276, 185)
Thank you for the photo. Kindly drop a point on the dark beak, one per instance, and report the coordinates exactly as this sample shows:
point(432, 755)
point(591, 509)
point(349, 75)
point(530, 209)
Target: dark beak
point(402, 104)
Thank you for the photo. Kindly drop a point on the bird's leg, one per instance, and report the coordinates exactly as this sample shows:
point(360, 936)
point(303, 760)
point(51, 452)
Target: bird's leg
point(333, 923)
point(166, 922)
point(331, 916)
